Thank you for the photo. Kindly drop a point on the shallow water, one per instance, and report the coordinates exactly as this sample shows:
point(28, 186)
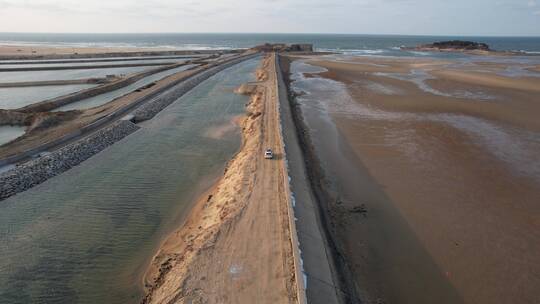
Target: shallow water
point(105, 59)
point(9, 133)
point(408, 277)
point(9, 77)
point(104, 98)
point(89, 64)
point(84, 236)
point(13, 98)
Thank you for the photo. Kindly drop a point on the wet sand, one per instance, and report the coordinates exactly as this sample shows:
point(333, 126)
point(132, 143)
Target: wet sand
point(445, 163)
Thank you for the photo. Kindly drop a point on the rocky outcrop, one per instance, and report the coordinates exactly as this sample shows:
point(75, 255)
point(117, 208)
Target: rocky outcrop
point(453, 45)
point(37, 171)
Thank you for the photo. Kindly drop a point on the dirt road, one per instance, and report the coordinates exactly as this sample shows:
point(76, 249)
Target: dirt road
point(236, 246)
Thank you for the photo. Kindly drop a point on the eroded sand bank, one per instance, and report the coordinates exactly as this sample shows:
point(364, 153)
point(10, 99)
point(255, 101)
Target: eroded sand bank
point(235, 247)
point(447, 159)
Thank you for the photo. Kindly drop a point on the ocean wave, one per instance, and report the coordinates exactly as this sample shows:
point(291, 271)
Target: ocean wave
point(184, 46)
point(353, 51)
point(419, 53)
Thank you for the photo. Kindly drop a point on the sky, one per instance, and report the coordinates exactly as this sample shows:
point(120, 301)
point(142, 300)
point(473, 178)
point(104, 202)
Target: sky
point(411, 17)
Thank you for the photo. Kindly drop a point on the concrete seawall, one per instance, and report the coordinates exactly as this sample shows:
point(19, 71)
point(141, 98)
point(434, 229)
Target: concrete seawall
point(35, 172)
point(321, 273)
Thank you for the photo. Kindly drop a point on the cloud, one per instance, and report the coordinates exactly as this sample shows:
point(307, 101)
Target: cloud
point(346, 16)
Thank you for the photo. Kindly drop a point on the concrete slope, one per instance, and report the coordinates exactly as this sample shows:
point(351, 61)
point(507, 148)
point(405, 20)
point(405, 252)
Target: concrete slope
point(321, 287)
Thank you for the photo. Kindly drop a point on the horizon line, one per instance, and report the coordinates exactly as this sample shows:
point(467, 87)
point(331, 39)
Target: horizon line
point(275, 33)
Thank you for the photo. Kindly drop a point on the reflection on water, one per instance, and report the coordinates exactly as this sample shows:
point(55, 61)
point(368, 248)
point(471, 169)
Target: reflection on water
point(85, 64)
point(420, 78)
point(9, 77)
point(84, 236)
point(515, 147)
point(374, 240)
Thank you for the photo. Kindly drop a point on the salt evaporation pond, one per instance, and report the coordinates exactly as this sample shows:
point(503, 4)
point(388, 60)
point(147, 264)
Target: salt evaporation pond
point(107, 97)
point(10, 77)
point(89, 64)
point(106, 59)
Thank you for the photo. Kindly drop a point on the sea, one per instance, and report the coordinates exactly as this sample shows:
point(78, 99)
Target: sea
point(367, 45)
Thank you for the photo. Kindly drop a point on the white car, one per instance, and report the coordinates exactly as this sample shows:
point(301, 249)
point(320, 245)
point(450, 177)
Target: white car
point(268, 154)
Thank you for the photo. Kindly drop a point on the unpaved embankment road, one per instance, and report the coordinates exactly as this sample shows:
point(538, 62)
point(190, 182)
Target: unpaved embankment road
point(236, 246)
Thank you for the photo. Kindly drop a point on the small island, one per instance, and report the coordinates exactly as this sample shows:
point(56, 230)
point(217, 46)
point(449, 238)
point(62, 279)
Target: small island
point(452, 46)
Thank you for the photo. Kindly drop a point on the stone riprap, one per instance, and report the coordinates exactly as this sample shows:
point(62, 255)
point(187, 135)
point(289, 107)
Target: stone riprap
point(150, 109)
point(34, 172)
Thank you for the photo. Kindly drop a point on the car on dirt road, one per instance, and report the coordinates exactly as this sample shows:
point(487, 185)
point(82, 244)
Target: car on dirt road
point(268, 154)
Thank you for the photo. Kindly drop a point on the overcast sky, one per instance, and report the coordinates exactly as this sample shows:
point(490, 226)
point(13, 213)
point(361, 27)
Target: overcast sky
point(424, 17)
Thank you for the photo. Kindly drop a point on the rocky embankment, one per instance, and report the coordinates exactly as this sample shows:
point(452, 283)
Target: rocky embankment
point(35, 172)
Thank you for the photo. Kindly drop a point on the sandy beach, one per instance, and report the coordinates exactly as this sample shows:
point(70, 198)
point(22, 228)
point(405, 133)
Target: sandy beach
point(236, 245)
point(38, 50)
point(43, 52)
point(443, 159)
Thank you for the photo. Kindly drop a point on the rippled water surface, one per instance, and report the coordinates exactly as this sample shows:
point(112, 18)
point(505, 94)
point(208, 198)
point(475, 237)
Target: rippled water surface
point(85, 236)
